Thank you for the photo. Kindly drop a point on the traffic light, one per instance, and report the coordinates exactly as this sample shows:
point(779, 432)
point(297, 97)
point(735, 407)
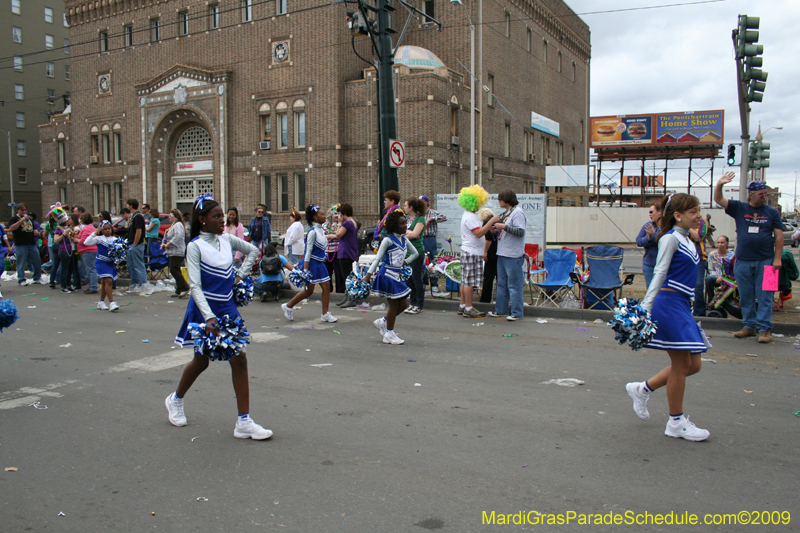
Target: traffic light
point(759, 155)
point(357, 23)
point(748, 52)
point(731, 155)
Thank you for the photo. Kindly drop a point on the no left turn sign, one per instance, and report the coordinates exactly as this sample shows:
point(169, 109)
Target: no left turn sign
point(397, 154)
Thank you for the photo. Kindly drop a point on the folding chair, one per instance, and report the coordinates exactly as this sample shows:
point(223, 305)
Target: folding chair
point(603, 288)
point(158, 262)
point(557, 286)
point(578, 255)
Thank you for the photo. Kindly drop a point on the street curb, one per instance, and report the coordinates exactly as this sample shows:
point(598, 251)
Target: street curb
point(589, 315)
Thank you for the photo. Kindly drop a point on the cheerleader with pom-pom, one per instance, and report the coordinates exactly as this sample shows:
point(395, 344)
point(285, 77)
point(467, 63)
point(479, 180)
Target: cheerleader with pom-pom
point(314, 262)
point(391, 257)
point(103, 238)
point(669, 300)
point(209, 260)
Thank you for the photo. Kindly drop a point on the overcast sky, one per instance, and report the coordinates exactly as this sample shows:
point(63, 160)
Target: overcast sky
point(680, 58)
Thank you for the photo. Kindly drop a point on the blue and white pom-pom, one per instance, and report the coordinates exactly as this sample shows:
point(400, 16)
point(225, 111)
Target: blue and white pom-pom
point(118, 249)
point(8, 313)
point(632, 323)
point(232, 338)
point(357, 288)
point(299, 277)
point(405, 273)
point(243, 292)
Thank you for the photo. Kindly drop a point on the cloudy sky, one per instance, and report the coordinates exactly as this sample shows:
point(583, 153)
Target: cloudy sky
point(680, 58)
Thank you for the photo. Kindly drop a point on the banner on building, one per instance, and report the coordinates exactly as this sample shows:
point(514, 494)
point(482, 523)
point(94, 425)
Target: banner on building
point(566, 176)
point(542, 123)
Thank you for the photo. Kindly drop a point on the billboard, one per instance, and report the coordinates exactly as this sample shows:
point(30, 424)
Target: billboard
point(661, 129)
point(542, 123)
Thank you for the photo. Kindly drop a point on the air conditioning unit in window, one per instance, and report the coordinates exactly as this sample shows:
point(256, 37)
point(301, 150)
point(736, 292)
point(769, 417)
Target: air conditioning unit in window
point(455, 141)
point(531, 158)
point(549, 161)
point(93, 160)
point(265, 145)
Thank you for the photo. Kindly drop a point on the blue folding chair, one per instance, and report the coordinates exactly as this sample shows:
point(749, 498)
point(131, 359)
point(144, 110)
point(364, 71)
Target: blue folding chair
point(558, 285)
point(603, 287)
point(157, 263)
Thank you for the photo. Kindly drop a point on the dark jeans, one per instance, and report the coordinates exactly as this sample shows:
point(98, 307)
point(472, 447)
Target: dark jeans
point(416, 284)
point(430, 252)
point(345, 266)
point(335, 272)
point(489, 273)
point(699, 297)
point(69, 268)
point(55, 272)
point(175, 262)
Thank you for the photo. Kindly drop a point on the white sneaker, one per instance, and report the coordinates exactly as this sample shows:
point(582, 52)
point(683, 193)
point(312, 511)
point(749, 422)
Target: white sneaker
point(287, 312)
point(251, 430)
point(639, 399)
point(381, 325)
point(102, 305)
point(113, 306)
point(684, 429)
point(175, 410)
point(135, 288)
point(328, 317)
point(390, 337)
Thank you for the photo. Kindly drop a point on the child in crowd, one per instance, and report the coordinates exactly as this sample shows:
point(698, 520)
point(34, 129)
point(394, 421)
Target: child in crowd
point(211, 277)
point(271, 279)
point(314, 262)
point(103, 238)
point(391, 257)
point(669, 299)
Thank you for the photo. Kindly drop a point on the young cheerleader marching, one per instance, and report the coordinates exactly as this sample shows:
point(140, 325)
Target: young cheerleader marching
point(211, 278)
point(315, 263)
point(387, 281)
point(669, 300)
point(106, 267)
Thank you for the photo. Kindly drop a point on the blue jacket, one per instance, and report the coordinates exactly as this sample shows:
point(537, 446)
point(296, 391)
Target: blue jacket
point(266, 229)
point(649, 245)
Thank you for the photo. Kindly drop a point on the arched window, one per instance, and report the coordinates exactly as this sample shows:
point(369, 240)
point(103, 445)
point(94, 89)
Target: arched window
point(95, 137)
point(299, 109)
point(117, 144)
point(282, 124)
point(265, 115)
point(194, 142)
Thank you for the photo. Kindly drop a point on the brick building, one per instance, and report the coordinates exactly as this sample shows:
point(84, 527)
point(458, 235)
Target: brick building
point(266, 101)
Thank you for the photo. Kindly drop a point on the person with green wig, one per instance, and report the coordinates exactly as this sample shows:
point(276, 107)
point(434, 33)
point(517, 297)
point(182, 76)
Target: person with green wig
point(472, 232)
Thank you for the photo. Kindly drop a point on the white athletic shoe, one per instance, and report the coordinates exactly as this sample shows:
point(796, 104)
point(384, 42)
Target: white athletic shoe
point(327, 317)
point(390, 337)
point(102, 305)
point(287, 312)
point(251, 430)
point(639, 399)
point(684, 429)
point(381, 325)
point(113, 306)
point(175, 410)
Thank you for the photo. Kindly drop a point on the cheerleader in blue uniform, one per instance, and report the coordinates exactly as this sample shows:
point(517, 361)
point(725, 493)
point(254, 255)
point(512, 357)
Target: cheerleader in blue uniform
point(314, 261)
point(209, 260)
point(669, 298)
point(106, 268)
point(391, 257)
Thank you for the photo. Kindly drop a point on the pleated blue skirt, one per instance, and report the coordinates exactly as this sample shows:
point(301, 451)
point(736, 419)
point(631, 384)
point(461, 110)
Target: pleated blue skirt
point(677, 329)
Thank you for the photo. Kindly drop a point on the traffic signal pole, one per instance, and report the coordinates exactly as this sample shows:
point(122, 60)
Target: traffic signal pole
point(386, 101)
point(744, 117)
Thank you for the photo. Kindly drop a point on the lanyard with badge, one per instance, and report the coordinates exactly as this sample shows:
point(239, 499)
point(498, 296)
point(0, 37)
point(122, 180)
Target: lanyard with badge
point(503, 218)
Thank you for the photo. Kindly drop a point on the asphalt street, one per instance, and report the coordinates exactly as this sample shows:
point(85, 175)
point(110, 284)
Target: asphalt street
point(435, 434)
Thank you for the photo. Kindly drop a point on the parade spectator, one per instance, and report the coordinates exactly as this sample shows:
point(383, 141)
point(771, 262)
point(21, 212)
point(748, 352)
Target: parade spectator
point(699, 237)
point(329, 228)
point(271, 279)
point(175, 248)
point(510, 227)
point(390, 201)
point(78, 210)
point(293, 240)
point(135, 256)
point(348, 247)
point(53, 265)
point(4, 245)
point(88, 253)
point(153, 225)
point(716, 267)
point(415, 209)
point(711, 229)
point(647, 238)
point(259, 228)
point(187, 225)
point(432, 219)
point(25, 237)
point(489, 256)
point(235, 228)
point(759, 244)
point(471, 199)
point(66, 252)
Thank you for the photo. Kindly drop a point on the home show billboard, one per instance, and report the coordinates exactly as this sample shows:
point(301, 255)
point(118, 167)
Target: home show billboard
point(662, 129)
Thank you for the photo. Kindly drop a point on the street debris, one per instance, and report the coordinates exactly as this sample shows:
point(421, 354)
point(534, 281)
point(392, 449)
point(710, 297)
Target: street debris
point(541, 321)
point(66, 345)
point(11, 469)
point(598, 321)
point(418, 384)
point(201, 499)
point(708, 360)
point(564, 382)
point(320, 365)
point(751, 355)
point(36, 405)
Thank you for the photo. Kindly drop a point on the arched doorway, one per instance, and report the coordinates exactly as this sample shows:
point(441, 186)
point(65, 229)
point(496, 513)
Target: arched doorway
point(192, 165)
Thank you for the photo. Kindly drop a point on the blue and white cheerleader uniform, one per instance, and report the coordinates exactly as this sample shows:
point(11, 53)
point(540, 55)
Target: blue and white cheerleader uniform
point(669, 297)
point(209, 261)
point(391, 256)
point(316, 243)
point(106, 267)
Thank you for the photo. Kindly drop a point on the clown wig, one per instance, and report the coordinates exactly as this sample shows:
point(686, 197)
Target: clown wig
point(472, 198)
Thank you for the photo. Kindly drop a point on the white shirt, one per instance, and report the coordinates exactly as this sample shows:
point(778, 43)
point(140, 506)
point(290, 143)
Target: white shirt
point(294, 238)
point(469, 242)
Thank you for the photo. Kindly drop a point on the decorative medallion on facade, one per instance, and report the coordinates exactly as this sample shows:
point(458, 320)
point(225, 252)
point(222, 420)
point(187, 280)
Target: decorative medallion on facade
point(104, 84)
point(179, 95)
point(280, 51)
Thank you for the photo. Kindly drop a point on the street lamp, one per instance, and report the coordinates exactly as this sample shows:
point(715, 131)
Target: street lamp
point(471, 94)
point(10, 179)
